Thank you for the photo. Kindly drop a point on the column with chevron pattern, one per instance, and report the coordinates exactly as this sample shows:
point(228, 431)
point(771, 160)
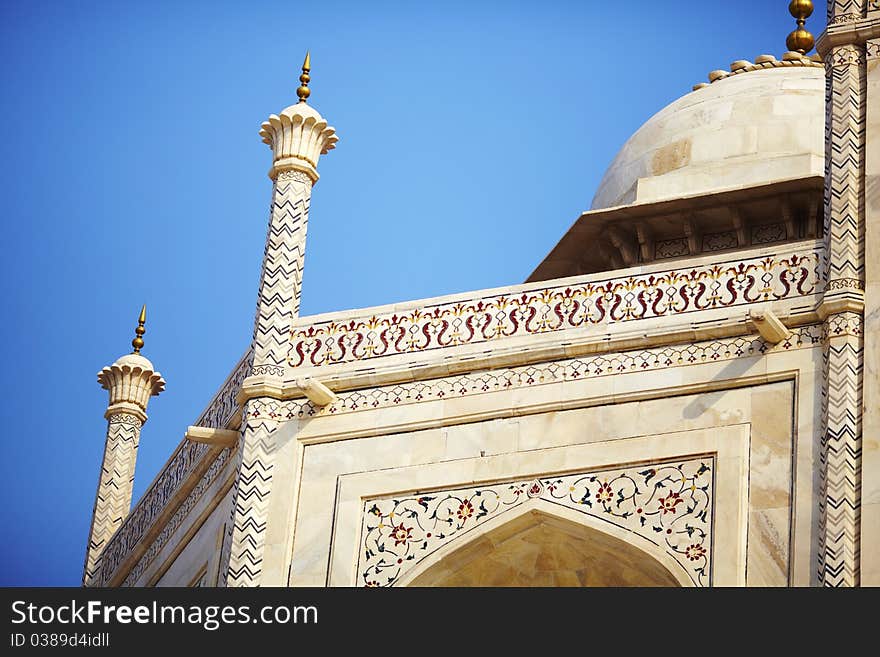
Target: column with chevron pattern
point(298, 136)
point(843, 303)
point(870, 521)
point(131, 381)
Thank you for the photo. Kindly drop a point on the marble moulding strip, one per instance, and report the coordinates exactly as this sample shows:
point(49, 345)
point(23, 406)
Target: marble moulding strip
point(573, 369)
point(178, 477)
point(577, 304)
point(669, 504)
point(175, 521)
point(223, 410)
point(847, 27)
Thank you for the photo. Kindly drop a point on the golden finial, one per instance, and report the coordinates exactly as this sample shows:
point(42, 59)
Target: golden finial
point(138, 342)
point(800, 40)
point(303, 92)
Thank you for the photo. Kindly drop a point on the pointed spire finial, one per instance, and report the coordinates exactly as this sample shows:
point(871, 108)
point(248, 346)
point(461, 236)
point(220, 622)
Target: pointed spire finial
point(303, 92)
point(138, 342)
point(800, 40)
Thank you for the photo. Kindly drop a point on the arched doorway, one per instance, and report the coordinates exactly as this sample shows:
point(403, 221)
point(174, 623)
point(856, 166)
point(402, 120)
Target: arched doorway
point(541, 546)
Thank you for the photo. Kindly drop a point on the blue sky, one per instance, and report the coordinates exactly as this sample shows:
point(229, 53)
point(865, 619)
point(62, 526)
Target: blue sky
point(472, 136)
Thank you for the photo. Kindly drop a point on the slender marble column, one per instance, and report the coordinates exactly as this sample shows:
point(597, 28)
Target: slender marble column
point(298, 137)
point(131, 381)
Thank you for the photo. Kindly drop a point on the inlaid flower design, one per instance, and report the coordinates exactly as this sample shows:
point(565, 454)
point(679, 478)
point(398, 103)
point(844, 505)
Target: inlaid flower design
point(694, 552)
point(604, 493)
point(668, 504)
point(401, 534)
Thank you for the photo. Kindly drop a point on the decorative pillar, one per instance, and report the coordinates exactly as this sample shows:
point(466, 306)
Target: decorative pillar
point(298, 136)
point(849, 400)
point(131, 381)
point(870, 524)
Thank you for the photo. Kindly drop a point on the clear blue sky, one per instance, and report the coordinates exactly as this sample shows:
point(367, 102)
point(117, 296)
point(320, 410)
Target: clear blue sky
point(472, 135)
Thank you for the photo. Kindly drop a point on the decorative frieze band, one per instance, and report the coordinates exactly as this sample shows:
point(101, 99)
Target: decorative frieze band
point(844, 284)
point(575, 369)
point(842, 324)
point(848, 55)
point(668, 504)
point(268, 370)
point(125, 418)
point(294, 175)
point(845, 18)
point(739, 282)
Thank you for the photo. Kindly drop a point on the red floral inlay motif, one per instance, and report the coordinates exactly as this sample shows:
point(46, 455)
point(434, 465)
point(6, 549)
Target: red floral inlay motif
point(465, 510)
point(401, 534)
point(694, 552)
point(668, 503)
point(604, 494)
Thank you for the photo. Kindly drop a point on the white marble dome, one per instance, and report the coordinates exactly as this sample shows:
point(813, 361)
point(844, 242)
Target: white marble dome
point(744, 130)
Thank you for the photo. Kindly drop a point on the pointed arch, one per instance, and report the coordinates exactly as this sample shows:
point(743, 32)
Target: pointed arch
point(540, 543)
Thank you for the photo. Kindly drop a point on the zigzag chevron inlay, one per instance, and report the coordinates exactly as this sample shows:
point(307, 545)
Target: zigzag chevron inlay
point(113, 499)
point(281, 278)
point(245, 537)
point(844, 11)
point(277, 308)
point(841, 454)
point(844, 163)
point(841, 451)
point(841, 433)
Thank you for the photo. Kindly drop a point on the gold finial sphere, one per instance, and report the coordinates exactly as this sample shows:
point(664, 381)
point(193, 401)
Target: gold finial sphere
point(138, 342)
point(304, 92)
point(801, 8)
point(800, 40)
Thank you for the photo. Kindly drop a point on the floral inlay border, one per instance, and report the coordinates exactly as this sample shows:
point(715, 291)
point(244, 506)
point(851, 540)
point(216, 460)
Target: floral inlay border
point(574, 369)
point(669, 503)
point(660, 294)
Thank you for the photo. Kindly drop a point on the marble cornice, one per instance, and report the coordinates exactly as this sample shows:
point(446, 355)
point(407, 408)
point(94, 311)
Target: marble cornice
point(857, 31)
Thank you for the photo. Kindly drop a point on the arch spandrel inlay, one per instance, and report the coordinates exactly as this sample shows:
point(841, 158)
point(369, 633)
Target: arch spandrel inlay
point(667, 505)
point(544, 544)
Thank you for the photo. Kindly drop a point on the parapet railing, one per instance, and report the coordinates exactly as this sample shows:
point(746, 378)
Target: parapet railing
point(531, 309)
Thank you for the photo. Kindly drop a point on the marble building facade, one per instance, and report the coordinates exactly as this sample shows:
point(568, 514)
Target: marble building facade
point(684, 392)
